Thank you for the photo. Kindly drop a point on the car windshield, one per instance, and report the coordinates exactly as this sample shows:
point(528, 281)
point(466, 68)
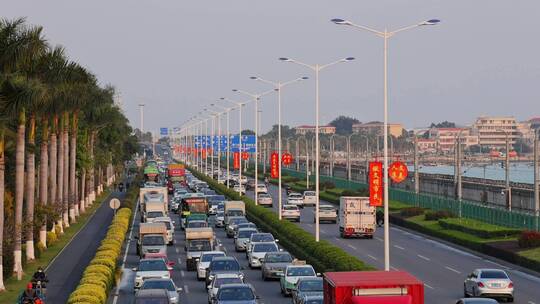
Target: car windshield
point(265, 248)
point(228, 265)
point(326, 208)
point(245, 234)
point(153, 214)
point(235, 294)
point(161, 284)
point(221, 281)
point(309, 193)
point(235, 213)
point(300, 271)
point(262, 237)
point(209, 256)
point(217, 198)
point(197, 224)
point(291, 208)
point(238, 221)
point(295, 196)
point(264, 195)
point(246, 225)
point(153, 265)
point(152, 301)
point(311, 285)
point(278, 258)
point(199, 245)
point(153, 240)
point(493, 274)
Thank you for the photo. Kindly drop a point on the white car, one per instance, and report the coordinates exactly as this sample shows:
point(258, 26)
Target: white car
point(291, 276)
point(261, 188)
point(310, 198)
point(327, 213)
point(259, 238)
point(204, 262)
point(150, 269)
point(240, 189)
point(220, 279)
point(264, 199)
point(258, 251)
point(296, 199)
point(167, 284)
point(493, 283)
point(220, 219)
point(290, 212)
point(170, 227)
point(241, 238)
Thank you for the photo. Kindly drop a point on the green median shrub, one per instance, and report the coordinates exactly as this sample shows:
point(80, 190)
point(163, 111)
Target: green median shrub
point(411, 211)
point(323, 255)
point(437, 215)
point(529, 239)
point(478, 228)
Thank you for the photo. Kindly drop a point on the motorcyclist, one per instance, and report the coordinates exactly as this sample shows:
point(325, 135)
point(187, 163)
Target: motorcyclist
point(29, 295)
point(40, 276)
point(266, 181)
point(121, 187)
point(379, 215)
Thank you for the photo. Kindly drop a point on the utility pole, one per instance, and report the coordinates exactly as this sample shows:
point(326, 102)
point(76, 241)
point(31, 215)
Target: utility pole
point(349, 157)
point(536, 179)
point(507, 169)
point(416, 173)
point(458, 156)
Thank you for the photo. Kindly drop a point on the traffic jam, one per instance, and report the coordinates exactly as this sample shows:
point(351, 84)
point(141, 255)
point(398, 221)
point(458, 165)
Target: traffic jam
point(193, 245)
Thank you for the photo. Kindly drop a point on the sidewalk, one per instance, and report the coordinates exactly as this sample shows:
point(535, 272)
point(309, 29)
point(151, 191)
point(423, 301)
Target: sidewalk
point(66, 270)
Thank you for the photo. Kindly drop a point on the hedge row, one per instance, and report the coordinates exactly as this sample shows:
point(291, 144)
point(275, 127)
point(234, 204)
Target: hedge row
point(477, 228)
point(322, 255)
point(98, 277)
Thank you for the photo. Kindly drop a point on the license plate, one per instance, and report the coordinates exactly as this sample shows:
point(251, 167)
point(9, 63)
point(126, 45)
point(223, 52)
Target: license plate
point(497, 285)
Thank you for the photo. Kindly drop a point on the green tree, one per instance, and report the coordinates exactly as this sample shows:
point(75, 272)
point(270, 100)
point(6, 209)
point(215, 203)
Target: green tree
point(344, 124)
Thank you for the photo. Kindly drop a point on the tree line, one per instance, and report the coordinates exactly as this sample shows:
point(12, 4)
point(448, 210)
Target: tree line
point(61, 138)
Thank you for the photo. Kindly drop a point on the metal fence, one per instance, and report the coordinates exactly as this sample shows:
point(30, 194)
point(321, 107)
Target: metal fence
point(467, 209)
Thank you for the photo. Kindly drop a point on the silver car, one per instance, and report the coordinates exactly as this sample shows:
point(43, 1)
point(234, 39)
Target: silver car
point(274, 264)
point(242, 237)
point(204, 262)
point(167, 284)
point(264, 199)
point(490, 283)
point(327, 213)
point(220, 219)
point(476, 301)
point(220, 279)
point(258, 251)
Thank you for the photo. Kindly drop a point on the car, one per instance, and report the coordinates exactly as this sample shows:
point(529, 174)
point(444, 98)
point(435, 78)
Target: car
point(197, 224)
point(310, 198)
point(236, 293)
point(259, 238)
point(204, 262)
point(491, 283)
point(163, 256)
point(292, 274)
point(264, 199)
point(221, 279)
point(219, 220)
point(175, 203)
point(233, 222)
point(307, 287)
point(261, 188)
point(152, 296)
point(243, 225)
point(327, 213)
point(166, 284)
point(312, 300)
point(225, 264)
point(150, 269)
point(208, 192)
point(250, 184)
point(239, 189)
point(258, 251)
point(290, 212)
point(477, 301)
point(296, 199)
point(170, 228)
point(274, 264)
point(243, 180)
point(242, 237)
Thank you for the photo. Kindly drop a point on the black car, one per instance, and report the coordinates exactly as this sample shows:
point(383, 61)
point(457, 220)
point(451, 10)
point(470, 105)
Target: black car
point(226, 264)
point(250, 185)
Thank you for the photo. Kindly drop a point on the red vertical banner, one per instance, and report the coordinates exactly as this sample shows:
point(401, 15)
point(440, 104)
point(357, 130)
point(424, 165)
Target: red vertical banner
point(375, 184)
point(203, 153)
point(274, 165)
point(236, 160)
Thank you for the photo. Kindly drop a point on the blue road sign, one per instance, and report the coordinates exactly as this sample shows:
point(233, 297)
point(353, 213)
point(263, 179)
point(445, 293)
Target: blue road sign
point(164, 131)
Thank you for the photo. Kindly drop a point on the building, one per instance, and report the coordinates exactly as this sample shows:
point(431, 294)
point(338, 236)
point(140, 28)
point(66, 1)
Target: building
point(377, 127)
point(446, 138)
point(303, 130)
point(525, 131)
point(492, 131)
point(426, 145)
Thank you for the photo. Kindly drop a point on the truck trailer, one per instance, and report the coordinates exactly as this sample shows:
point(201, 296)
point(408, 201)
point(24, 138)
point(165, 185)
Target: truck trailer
point(356, 217)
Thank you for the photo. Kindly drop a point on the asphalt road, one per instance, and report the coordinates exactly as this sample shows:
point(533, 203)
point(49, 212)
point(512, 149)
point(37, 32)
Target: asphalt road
point(441, 267)
point(66, 270)
point(194, 291)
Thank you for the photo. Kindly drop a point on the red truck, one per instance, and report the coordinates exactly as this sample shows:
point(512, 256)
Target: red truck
point(372, 287)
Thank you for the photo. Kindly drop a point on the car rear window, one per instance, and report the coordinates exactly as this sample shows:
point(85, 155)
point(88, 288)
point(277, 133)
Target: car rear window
point(265, 248)
point(235, 294)
point(300, 271)
point(260, 237)
point(493, 274)
point(210, 256)
point(228, 265)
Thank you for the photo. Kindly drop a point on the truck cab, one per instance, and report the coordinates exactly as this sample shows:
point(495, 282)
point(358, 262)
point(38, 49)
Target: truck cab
point(152, 238)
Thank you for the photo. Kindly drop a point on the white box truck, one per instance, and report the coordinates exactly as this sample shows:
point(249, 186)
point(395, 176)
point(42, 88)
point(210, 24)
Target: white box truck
point(356, 217)
point(198, 240)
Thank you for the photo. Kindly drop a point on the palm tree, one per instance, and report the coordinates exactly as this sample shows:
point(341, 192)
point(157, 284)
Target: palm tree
point(2, 170)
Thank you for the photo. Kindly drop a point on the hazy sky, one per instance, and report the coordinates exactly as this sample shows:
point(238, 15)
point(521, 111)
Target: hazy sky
point(178, 56)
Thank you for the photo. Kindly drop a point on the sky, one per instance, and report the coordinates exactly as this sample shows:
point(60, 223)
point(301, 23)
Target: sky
point(180, 56)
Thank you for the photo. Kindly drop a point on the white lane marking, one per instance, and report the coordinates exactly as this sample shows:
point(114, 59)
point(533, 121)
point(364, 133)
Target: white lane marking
point(452, 269)
point(177, 250)
point(186, 289)
point(399, 247)
point(525, 275)
point(337, 239)
point(497, 264)
point(379, 239)
point(322, 230)
point(423, 257)
point(179, 262)
point(351, 246)
point(393, 268)
point(182, 273)
point(428, 286)
point(310, 225)
point(531, 302)
point(372, 257)
point(116, 299)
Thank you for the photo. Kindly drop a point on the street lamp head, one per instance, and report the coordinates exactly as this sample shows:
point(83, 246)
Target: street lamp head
point(222, 98)
point(304, 78)
point(347, 59)
point(430, 22)
point(341, 21)
point(285, 59)
point(234, 90)
point(254, 77)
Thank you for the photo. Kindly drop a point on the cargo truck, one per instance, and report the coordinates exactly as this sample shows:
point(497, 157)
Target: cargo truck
point(198, 240)
point(234, 208)
point(152, 238)
point(372, 287)
point(176, 175)
point(356, 217)
point(194, 205)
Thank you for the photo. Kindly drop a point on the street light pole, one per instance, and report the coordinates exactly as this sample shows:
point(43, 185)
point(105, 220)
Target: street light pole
point(316, 68)
point(385, 35)
point(227, 110)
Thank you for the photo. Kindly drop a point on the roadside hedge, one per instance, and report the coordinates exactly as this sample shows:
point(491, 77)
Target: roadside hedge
point(477, 228)
point(322, 255)
point(98, 277)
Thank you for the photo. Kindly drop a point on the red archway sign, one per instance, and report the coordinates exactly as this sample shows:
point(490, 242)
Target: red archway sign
point(398, 172)
point(245, 155)
point(287, 158)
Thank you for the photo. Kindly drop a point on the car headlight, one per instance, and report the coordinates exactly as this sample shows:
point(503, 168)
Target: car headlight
point(211, 277)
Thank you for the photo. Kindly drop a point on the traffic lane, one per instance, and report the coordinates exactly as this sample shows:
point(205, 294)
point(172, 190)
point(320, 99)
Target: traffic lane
point(431, 261)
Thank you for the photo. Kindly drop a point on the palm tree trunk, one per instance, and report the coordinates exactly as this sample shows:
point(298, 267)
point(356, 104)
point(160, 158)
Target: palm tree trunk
point(73, 204)
point(53, 165)
point(92, 168)
point(30, 189)
point(2, 185)
point(43, 179)
point(60, 174)
point(19, 196)
point(66, 171)
point(82, 203)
